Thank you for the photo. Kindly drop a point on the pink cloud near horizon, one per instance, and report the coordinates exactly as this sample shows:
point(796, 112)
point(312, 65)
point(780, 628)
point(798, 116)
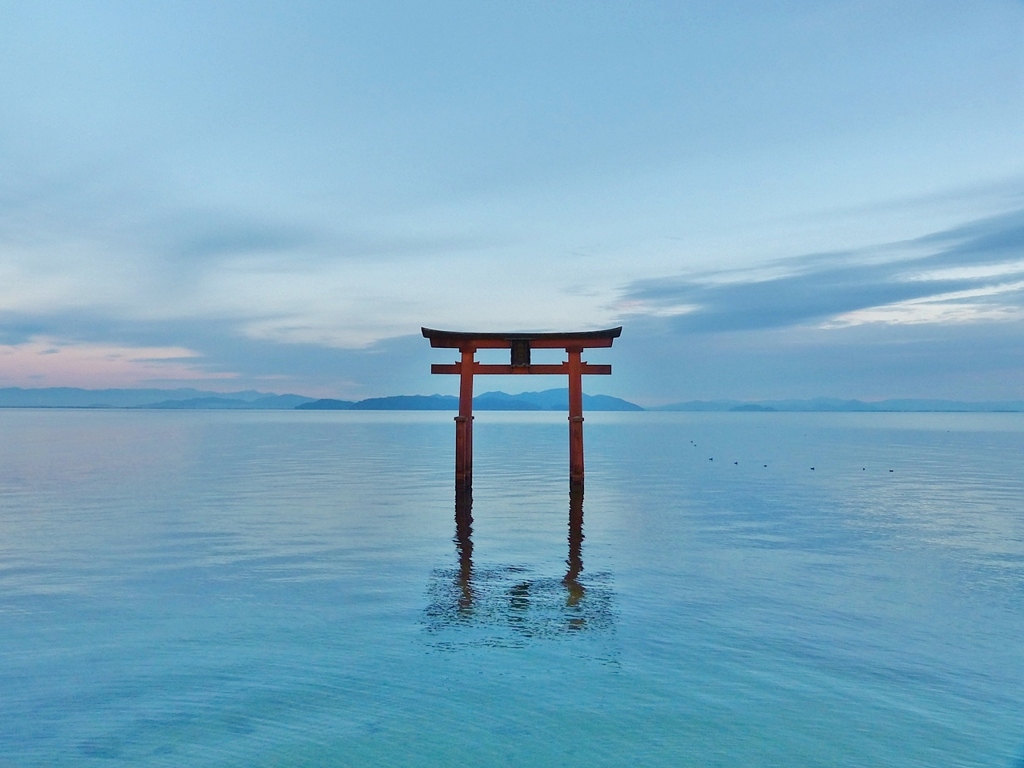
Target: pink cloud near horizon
point(48, 362)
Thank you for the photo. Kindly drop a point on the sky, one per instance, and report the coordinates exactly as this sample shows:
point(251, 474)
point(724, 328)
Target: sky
point(789, 199)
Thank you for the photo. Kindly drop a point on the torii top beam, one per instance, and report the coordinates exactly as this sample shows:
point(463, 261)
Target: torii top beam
point(578, 340)
point(520, 344)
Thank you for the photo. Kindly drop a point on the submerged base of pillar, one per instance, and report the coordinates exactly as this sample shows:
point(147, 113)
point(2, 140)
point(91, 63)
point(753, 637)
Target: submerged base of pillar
point(575, 450)
point(463, 452)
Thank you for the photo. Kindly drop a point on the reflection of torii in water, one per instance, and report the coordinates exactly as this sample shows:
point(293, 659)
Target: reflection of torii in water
point(464, 547)
point(496, 604)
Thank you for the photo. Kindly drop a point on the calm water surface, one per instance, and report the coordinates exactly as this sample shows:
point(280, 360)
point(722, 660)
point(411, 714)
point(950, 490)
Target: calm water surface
point(291, 589)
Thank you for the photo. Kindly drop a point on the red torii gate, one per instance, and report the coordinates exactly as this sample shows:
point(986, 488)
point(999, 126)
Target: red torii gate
point(520, 345)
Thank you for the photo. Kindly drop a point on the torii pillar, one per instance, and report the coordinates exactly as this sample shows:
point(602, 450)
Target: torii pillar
point(520, 345)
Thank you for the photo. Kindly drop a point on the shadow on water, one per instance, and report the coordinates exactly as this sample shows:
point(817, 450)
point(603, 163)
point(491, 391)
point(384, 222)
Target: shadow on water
point(575, 560)
point(507, 605)
point(464, 547)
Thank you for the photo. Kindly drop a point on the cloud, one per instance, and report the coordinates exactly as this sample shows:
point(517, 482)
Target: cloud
point(966, 273)
point(210, 353)
point(959, 361)
point(47, 362)
point(97, 249)
point(204, 235)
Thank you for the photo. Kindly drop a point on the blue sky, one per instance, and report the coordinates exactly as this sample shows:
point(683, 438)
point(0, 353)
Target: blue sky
point(775, 199)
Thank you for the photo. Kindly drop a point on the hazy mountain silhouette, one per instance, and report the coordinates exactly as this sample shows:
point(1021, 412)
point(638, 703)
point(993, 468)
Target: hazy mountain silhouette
point(547, 400)
point(74, 397)
point(269, 402)
point(825, 404)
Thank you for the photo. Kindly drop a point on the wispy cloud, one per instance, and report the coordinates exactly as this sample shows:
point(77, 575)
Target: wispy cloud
point(47, 362)
point(971, 272)
point(204, 235)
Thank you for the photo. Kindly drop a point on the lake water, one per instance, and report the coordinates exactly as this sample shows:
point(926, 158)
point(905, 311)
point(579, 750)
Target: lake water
point(291, 589)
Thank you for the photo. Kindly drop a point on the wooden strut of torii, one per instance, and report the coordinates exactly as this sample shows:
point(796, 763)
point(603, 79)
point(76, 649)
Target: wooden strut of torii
point(520, 345)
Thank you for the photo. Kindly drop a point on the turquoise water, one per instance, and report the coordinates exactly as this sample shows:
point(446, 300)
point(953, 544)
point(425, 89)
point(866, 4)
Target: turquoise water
point(291, 589)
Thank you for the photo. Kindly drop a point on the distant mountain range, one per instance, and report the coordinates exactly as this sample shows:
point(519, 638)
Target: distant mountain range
point(193, 399)
point(546, 400)
point(72, 397)
point(265, 403)
point(824, 404)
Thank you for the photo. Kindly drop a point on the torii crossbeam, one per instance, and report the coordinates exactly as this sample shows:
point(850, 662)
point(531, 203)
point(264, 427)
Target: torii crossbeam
point(520, 345)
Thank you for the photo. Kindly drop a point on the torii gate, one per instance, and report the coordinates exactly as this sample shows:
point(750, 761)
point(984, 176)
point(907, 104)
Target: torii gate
point(520, 345)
